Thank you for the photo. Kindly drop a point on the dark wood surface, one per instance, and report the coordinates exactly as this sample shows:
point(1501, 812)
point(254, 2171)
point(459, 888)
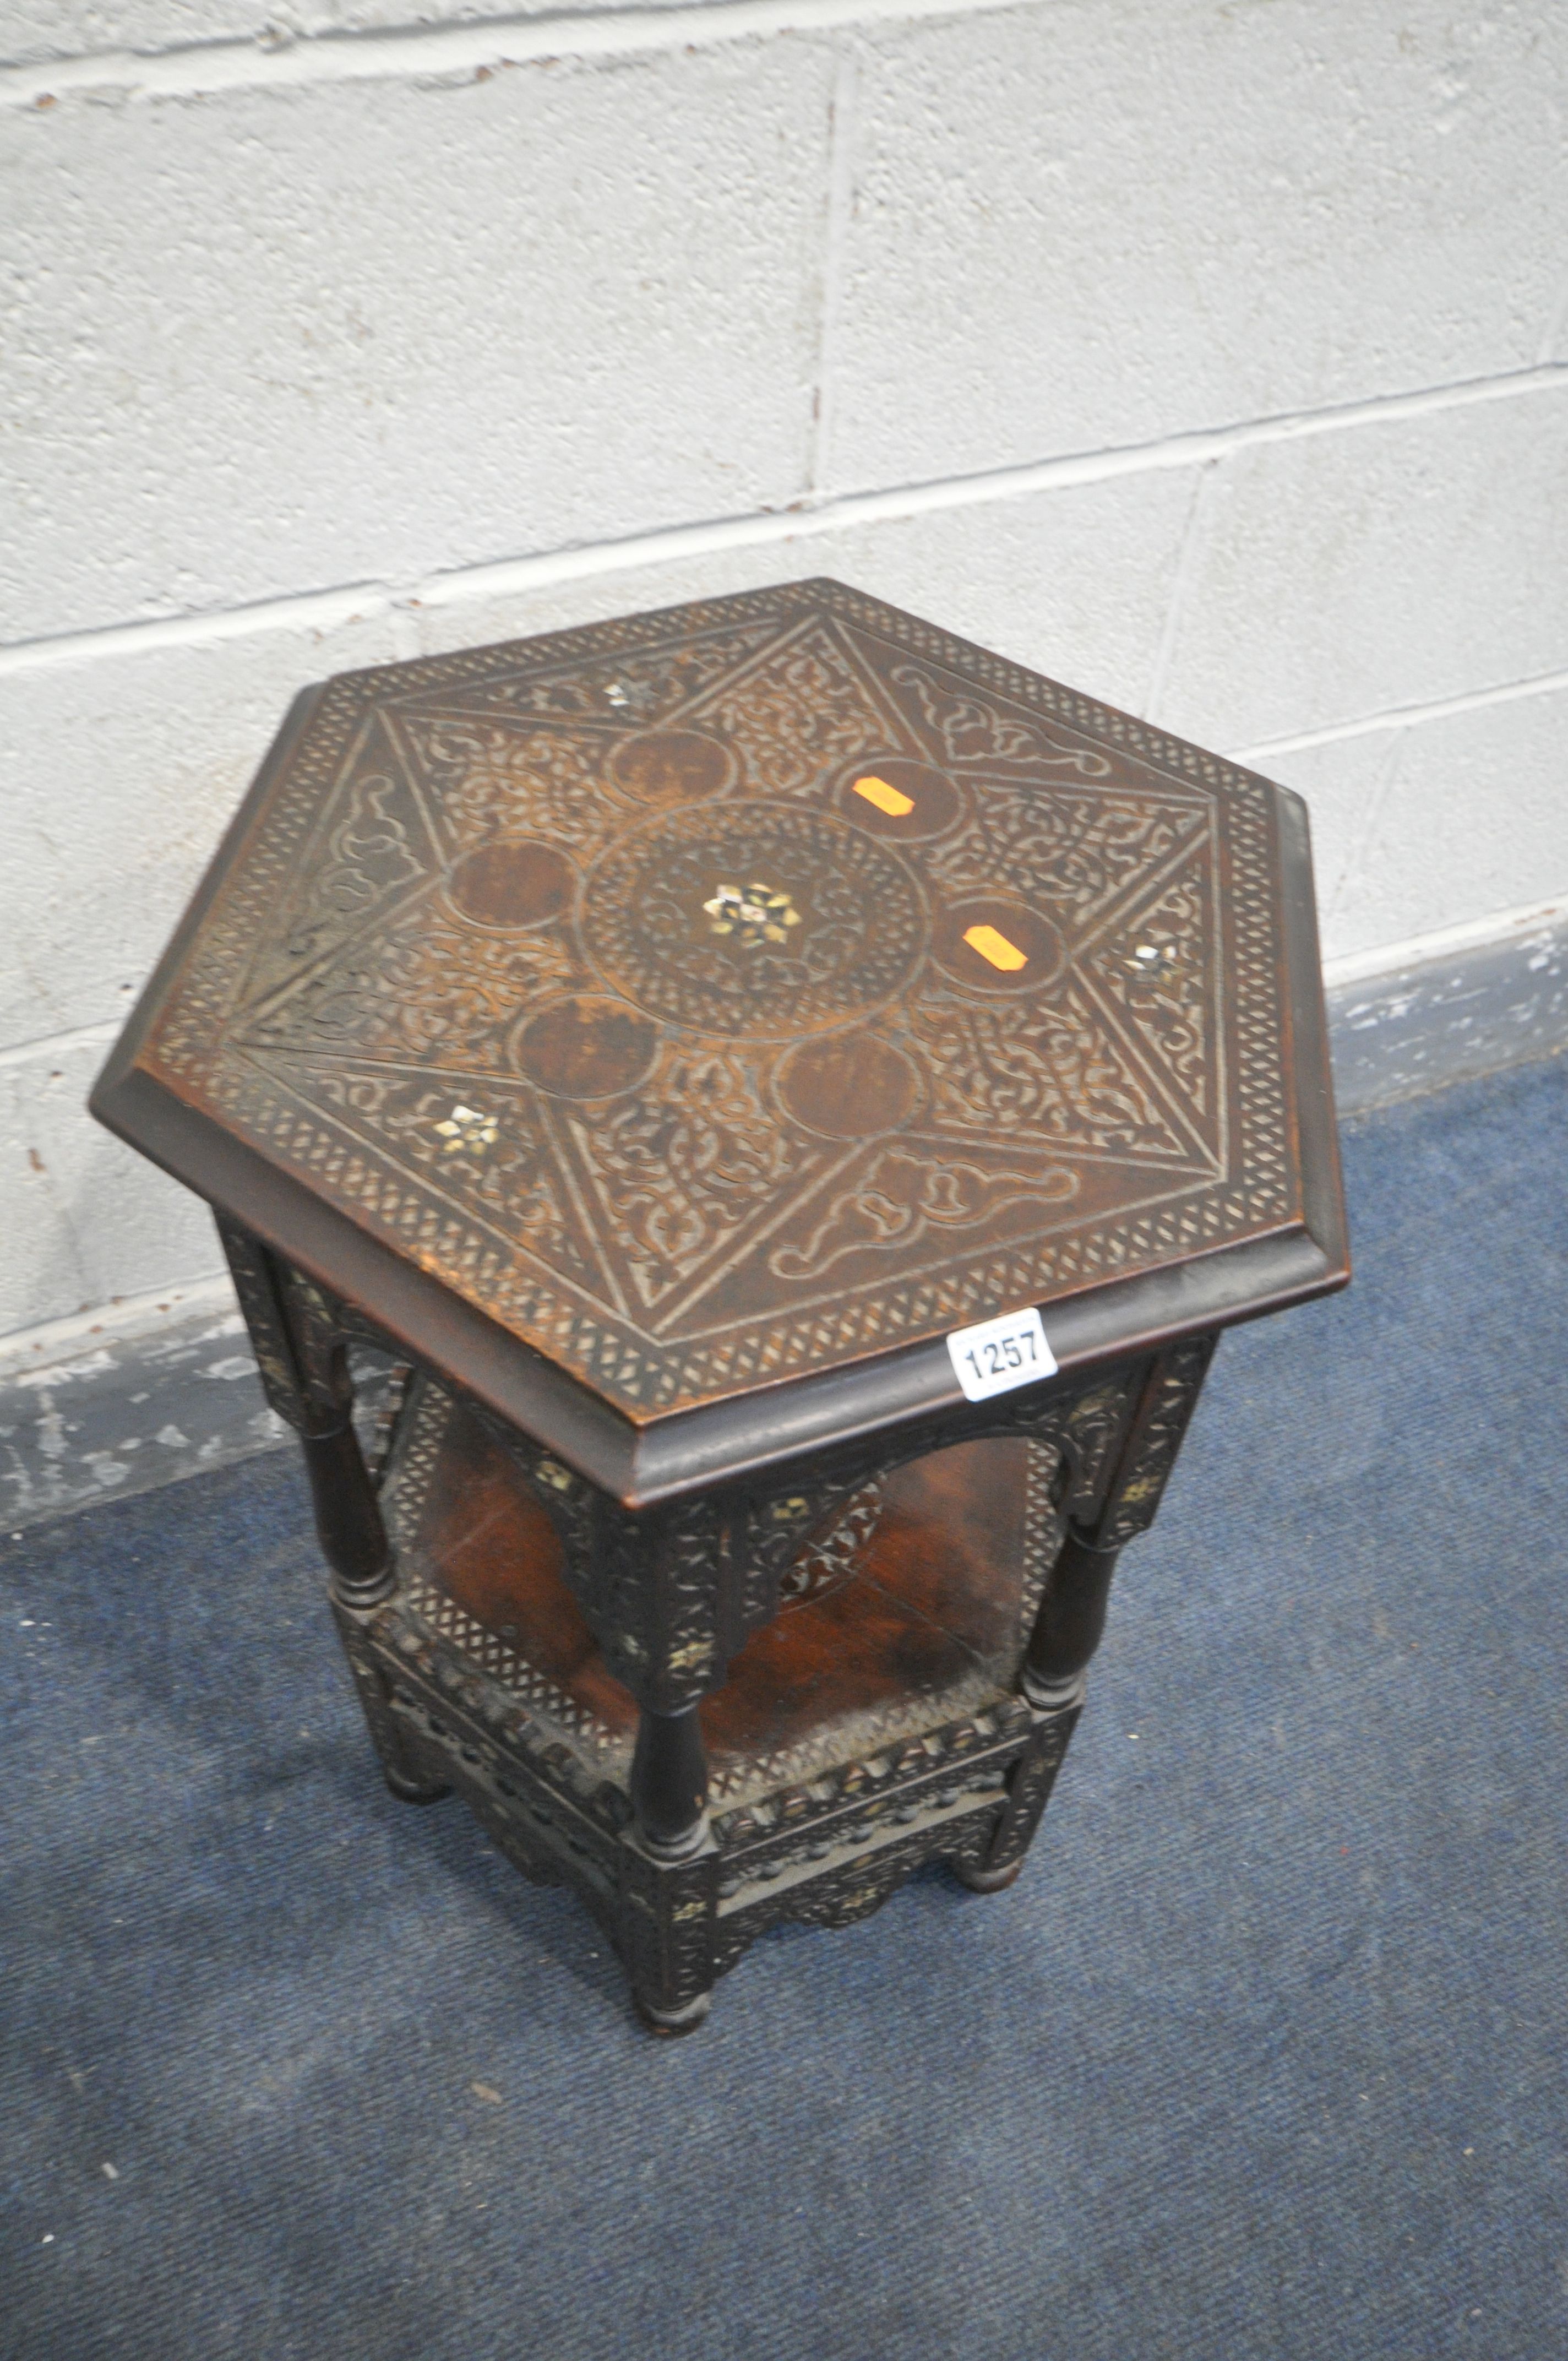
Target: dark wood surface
point(773, 1700)
point(671, 1029)
point(908, 1637)
point(665, 1034)
point(869, 1724)
point(912, 1603)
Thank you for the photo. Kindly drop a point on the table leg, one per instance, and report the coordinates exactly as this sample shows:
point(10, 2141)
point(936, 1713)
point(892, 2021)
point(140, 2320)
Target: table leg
point(669, 1782)
point(1067, 1632)
point(1071, 1619)
point(349, 1517)
point(304, 1365)
point(672, 1871)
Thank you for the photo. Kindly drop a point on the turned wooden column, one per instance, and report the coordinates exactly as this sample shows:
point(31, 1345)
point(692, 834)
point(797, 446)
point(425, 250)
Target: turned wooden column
point(1071, 1619)
point(1070, 1622)
point(348, 1516)
point(302, 1360)
point(669, 1782)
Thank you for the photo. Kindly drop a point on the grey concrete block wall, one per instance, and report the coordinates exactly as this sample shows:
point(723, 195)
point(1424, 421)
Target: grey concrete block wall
point(1113, 223)
point(51, 31)
point(365, 330)
point(1211, 359)
point(1387, 566)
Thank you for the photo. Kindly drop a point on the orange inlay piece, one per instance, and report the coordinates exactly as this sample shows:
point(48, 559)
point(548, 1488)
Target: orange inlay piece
point(995, 948)
point(886, 799)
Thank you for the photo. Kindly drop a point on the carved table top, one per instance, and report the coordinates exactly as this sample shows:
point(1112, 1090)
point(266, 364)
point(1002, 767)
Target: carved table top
point(717, 999)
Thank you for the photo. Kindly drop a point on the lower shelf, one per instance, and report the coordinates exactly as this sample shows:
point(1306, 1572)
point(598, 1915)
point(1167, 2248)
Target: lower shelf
point(910, 1610)
point(874, 1726)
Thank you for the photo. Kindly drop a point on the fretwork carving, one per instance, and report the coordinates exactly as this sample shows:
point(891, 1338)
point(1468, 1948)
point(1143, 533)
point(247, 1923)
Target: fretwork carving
point(1159, 1424)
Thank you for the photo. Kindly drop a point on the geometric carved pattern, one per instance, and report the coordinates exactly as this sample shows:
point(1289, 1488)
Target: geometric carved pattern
point(470, 979)
point(1043, 1530)
point(505, 1667)
point(403, 1498)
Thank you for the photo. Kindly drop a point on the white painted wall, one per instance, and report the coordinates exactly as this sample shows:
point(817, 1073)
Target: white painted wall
point(1207, 353)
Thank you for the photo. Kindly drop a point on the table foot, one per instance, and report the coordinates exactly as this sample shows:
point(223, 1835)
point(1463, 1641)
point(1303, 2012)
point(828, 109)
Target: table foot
point(413, 1791)
point(987, 1881)
point(668, 2022)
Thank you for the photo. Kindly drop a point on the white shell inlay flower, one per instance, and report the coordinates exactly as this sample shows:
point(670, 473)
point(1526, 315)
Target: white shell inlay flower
point(752, 914)
point(466, 1130)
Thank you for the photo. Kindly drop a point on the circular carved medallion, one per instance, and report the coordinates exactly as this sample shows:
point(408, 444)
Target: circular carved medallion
point(991, 944)
point(847, 1086)
point(891, 796)
point(754, 920)
point(511, 884)
point(584, 1047)
point(671, 767)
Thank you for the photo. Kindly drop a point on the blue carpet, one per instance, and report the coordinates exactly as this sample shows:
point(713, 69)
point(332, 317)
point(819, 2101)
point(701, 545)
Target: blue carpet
point(1263, 2057)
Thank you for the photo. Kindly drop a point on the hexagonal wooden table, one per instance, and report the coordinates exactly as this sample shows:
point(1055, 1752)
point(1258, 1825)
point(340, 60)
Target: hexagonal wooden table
point(656, 1042)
